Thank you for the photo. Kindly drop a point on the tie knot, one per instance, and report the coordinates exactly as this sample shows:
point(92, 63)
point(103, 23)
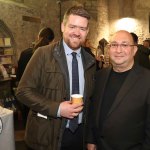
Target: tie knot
point(74, 54)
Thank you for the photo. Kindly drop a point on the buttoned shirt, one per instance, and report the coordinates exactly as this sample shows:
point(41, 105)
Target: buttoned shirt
point(68, 54)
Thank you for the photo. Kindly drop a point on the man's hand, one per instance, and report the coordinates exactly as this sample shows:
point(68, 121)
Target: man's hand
point(91, 147)
point(69, 110)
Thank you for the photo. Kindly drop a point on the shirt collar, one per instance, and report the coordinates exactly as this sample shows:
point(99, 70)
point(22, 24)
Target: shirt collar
point(68, 50)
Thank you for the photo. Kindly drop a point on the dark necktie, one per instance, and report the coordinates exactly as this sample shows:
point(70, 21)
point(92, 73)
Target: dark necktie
point(73, 125)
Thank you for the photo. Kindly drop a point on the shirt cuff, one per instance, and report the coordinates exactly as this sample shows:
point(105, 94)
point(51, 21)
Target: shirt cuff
point(58, 112)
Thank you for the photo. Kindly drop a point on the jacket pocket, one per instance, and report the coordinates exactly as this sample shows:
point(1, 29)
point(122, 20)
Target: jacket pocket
point(53, 79)
point(54, 85)
point(39, 130)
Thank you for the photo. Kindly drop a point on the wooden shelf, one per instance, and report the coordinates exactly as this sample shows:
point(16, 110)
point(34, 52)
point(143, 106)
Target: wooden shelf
point(5, 79)
point(5, 46)
point(6, 55)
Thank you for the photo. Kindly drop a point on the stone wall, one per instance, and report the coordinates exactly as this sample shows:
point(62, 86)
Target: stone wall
point(23, 32)
point(135, 14)
point(40, 14)
point(105, 16)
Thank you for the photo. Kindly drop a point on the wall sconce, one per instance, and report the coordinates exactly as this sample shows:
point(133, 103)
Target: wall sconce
point(128, 24)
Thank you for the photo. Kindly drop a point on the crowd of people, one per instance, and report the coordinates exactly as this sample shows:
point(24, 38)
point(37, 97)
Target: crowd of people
point(115, 112)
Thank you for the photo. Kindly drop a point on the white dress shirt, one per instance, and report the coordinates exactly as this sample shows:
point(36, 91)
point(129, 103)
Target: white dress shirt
point(68, 52)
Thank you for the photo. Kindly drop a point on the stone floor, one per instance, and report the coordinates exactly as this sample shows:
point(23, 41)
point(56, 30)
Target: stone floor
point(19, 132)
point(19, 135)
point(20, 145)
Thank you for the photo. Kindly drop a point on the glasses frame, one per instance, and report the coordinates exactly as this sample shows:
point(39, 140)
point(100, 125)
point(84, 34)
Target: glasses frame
point(122, 45)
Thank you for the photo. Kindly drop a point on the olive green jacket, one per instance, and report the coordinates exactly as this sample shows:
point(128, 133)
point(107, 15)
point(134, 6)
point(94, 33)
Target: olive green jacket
point(43, 86)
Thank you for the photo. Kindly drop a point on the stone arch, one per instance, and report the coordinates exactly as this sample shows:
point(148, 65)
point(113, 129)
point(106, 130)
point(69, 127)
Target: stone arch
point(5, 32)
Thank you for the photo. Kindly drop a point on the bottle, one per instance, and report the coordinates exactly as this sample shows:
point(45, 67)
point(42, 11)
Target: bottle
point(4, 72)
point(13, 70)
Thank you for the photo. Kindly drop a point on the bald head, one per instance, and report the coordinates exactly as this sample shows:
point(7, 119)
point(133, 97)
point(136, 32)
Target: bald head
point(123, 36)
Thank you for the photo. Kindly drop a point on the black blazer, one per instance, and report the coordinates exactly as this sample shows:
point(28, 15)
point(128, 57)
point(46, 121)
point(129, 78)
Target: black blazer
point(23, 61)
point(127, 125)
point(142, 56)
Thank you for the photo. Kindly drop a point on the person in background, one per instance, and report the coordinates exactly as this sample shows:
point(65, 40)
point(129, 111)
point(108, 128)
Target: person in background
point(48, 82)
point(146, 43)
point(142, 54)
point(101, 54)
point(87, 46)
point(45, 37)
point(119, 115)
point(101, 46)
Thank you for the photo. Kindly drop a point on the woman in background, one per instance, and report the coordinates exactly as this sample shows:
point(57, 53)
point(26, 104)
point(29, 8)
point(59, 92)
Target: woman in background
point(45, 37)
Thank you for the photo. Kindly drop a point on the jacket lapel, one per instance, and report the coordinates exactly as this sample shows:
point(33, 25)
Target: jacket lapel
point(128, 84)
point(100, 92)
point(59, 55)
point(87, 59)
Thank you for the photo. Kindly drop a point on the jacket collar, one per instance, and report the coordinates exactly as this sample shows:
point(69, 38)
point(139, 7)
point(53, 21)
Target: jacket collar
point(60, 57)
point(87, 59)
point(59, 54)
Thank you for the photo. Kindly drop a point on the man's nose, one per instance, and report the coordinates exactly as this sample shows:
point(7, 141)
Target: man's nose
point(77, 31)
point(119, 48)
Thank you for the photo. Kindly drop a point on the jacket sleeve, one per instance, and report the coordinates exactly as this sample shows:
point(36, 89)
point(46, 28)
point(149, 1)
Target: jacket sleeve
point(90, 137)
point(30, 90)
point(146, 143)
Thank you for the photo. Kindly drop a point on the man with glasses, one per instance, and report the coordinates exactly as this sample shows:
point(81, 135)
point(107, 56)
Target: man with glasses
point(119, 115)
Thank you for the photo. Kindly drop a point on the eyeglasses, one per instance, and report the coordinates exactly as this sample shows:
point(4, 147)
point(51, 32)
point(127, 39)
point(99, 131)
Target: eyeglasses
point(123, 45)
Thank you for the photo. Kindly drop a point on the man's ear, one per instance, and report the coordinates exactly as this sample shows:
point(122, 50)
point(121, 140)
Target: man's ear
point(88, 30)
point(62, 27)
point(135, 49)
